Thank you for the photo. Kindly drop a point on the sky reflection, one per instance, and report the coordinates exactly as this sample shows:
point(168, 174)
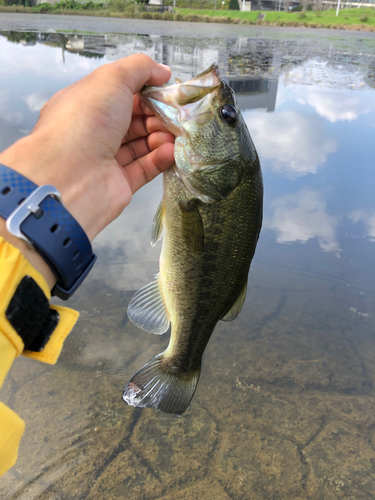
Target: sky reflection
point(312, 120)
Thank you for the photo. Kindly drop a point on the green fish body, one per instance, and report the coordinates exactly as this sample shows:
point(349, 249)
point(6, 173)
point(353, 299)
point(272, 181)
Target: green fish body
point(210, 218)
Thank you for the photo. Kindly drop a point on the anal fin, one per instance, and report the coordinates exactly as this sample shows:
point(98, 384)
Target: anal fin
point(235, 310)
point(147, 310)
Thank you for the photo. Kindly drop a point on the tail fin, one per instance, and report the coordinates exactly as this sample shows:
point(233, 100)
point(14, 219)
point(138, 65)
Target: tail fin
point(161, 386)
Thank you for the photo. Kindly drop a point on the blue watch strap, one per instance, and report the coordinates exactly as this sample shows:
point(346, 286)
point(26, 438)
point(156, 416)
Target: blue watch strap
point(37, 216)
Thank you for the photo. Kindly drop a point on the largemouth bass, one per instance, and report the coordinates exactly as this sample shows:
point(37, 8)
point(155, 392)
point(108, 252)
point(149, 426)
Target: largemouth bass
point(210, 218)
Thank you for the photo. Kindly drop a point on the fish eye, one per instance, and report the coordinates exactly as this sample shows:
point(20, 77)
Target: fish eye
point(228, 113)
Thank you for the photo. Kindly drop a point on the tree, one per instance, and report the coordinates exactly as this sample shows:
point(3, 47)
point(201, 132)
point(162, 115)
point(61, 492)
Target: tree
point(286, 4)
point(305, 4)
point(233, 5)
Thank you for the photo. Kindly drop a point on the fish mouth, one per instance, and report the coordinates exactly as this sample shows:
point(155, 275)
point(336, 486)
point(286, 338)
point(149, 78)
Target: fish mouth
point(180, 102)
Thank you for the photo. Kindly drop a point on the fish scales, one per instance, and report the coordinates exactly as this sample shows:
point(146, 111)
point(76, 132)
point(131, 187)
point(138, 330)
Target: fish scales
point(210, 218)
point(201, 291)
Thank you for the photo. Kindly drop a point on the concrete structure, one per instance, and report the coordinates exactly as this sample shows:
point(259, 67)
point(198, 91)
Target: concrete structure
point(328, 4)
point(245, 6)
point(255, 93)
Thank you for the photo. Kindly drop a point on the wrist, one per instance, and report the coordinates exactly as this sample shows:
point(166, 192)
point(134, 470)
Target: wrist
point(78, 177)
point(9, 158)
point(36, 215)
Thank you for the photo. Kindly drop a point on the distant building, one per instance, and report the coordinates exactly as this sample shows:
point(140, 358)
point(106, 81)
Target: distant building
point(245, 6)
point(255, 93)
point(348, 4)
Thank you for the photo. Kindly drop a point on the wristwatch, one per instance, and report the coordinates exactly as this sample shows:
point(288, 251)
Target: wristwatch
point(36, 215)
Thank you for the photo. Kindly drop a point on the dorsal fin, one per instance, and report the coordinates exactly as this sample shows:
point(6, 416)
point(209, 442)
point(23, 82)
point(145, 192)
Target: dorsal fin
point(235, 310)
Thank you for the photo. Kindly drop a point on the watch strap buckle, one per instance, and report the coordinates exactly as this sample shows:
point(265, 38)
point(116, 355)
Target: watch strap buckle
point(29, 205)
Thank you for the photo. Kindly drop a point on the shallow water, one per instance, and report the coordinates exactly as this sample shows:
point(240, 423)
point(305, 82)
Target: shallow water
point(285, 408)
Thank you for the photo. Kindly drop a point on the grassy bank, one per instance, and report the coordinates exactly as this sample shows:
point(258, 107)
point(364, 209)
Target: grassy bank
point(327, 18)
point(350, 19)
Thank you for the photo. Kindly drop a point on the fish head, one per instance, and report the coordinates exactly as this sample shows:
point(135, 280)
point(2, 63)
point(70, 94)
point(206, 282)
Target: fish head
point(211, 135)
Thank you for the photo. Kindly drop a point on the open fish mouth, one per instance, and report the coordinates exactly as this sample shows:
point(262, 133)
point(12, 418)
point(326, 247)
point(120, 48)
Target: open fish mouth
point(181, 102)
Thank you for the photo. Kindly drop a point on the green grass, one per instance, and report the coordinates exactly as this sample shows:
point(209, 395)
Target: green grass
point(345, 17)
point(355, 19)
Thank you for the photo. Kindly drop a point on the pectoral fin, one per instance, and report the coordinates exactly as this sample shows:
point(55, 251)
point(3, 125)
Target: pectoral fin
point(158, 224)
point(192, 226)
point(235, 310)
point(147, 310)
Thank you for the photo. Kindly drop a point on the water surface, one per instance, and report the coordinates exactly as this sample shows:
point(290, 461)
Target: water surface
point(285, 408)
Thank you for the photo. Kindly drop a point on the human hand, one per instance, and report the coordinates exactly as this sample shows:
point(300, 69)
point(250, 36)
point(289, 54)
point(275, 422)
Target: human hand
point(96, 143)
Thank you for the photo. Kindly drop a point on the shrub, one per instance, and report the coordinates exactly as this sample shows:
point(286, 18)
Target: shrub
point(178, 17)
point(193, 18)
point(145, 15)
point(43, 7)
point(233, 5)
point(168, 16)
point(301, 15)
point(363, 19)
point(119, 5)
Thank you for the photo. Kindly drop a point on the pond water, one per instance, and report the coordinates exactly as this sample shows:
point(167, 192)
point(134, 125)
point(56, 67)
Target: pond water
point(285, 407)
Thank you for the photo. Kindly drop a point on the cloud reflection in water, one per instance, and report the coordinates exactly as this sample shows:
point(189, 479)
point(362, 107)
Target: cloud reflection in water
point(295, 143)
point(303, 216)
point(368, 219)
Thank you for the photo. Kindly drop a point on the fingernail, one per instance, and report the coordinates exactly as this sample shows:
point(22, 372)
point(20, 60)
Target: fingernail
point(164, 65)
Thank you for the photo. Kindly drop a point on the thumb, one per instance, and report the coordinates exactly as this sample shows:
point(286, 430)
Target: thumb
point(138, 70)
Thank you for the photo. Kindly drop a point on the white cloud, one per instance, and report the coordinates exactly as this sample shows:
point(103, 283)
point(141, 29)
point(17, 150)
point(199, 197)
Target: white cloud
point(324, 75)
point(337, 105)
point(9, 115)
point(131, 261)
point(297, 144)
point(368, 219)
point(36, 101)
point(302, 216)
point(333, 104)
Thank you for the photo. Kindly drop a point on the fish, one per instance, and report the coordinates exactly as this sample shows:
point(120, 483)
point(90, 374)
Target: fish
point(209, 219)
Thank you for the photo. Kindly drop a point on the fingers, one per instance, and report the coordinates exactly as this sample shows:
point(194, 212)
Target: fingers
point(140, 108)
point(141, 147)
point(142, 126)
point(145, 169)
point(139, 70)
